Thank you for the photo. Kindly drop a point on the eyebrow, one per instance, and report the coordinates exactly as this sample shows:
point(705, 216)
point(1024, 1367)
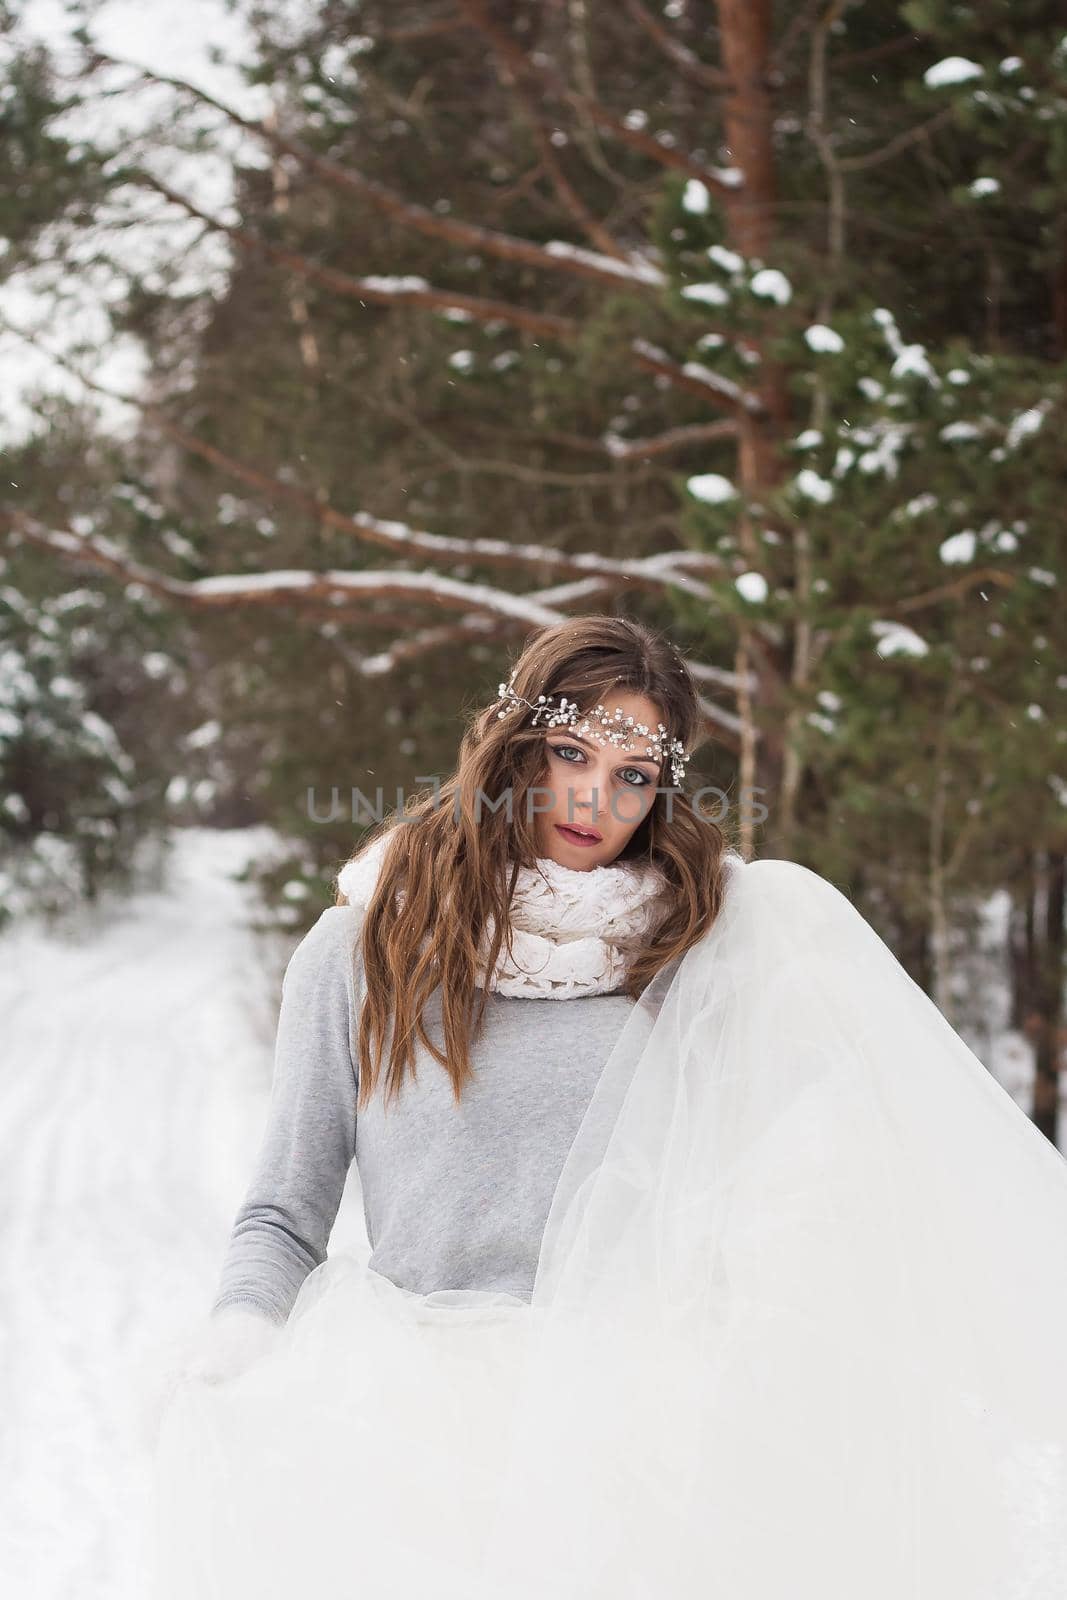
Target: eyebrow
point(649, 761)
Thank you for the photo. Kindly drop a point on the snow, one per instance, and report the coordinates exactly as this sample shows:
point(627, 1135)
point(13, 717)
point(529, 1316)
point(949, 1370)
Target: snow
point(1024, 424)
point(728, 260)
point(890, 440)
point(984, 186)
point(920, 503)
point(812, 487)
point(913, 361)
point(411, 283)
point(770, 284)
point(959, 547)
point(695, 197)
point(824, 340)
point(953, 431)
point(712, 294)
point(711, 487)
point(138, 1054)
point(138, 1048)
point(751, 586)
point(207, 733)
point(809, 439)
point(895, 639)
point(714, 380)
point(428, 584)
point(637, 268)
point(953, 69)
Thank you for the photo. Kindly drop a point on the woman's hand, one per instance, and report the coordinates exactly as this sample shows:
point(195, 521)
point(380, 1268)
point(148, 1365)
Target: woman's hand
point(221, 1347)
point(228, 1342)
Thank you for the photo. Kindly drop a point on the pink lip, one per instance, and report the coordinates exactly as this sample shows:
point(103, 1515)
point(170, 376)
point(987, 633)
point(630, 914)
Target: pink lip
point(573, 837)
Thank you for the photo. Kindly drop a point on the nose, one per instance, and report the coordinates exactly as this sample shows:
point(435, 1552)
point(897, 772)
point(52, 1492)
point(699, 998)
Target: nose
point(587, 794)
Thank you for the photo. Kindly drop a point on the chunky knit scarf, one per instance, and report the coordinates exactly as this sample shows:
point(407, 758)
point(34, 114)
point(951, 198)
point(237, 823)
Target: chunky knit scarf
point(573, 932)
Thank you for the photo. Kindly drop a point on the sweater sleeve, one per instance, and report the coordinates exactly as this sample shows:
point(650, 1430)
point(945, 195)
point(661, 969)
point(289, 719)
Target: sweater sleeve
point(283, 1225)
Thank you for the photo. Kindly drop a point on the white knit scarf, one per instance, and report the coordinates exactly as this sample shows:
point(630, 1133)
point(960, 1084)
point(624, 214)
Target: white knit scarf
point(573, 932)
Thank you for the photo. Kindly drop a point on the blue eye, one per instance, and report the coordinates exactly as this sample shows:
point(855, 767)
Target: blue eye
point(560, 749)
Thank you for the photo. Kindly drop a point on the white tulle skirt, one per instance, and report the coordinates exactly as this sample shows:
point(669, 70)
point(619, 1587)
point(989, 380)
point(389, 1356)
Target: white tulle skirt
point(799, 1329)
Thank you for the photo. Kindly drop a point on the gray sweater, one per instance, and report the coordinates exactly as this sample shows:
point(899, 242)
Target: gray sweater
point(454, 1196)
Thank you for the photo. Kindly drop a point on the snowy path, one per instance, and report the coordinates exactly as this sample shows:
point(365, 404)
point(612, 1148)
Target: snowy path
point(134, 1082)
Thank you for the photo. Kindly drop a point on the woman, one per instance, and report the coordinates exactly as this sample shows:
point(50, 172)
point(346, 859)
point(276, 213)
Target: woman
point(738, 1274)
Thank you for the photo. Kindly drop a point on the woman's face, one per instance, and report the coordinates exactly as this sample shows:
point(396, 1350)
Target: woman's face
point(602, 789)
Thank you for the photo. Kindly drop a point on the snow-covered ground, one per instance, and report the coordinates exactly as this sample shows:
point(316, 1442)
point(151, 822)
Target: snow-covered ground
point(134, 1086)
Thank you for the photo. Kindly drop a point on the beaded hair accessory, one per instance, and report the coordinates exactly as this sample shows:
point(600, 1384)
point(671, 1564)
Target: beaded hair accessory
point(657, 745)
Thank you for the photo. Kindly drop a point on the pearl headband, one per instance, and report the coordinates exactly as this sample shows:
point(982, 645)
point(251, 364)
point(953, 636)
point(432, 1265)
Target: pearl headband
point(658, 745)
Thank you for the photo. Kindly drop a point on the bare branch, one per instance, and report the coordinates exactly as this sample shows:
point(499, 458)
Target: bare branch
point(952, 591)
point(689, 64)
point(515, 83)
point(524, 472)
point(422, 30)
point(910, 136)
point(524, 68)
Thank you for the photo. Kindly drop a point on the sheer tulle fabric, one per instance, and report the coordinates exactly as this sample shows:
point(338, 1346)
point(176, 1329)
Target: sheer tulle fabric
point(799, 1328)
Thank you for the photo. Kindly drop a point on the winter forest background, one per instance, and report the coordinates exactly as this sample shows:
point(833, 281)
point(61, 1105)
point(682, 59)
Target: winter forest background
point(344, 343)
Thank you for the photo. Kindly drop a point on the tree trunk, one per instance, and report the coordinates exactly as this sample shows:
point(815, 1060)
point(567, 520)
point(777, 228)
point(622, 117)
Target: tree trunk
point(745, 28)
point(1049, 1009)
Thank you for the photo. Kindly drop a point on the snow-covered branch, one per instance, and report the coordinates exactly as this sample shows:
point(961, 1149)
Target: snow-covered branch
point(725, 722)
point(679, 569)
point(390, 291)
point(698, 378)
point(681, 437)
point(345, 590)
point(486, 612)
point(718, 721)
point(657, 572)
point(557, 256)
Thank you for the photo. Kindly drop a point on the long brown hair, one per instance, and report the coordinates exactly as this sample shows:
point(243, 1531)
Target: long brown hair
point(457, 856)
